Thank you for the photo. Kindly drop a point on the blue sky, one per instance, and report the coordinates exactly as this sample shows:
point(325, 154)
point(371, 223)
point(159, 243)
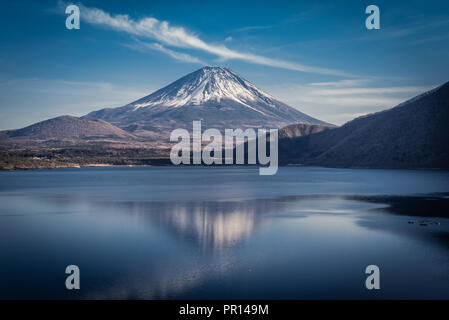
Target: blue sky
point(317, 57)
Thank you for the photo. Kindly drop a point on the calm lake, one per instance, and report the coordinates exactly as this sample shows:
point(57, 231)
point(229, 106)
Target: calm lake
point(224, 233)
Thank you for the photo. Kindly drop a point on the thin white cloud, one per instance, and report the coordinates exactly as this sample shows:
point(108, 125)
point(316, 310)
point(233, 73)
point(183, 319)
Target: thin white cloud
point(417, 32)
point(365, 91)
point(177, 55)
point(440, 38)
point(251, 28)
point(413, 29)
point(38, 99)
point(340, 83)
point(166, 34)
point(341, 101)
point(143, 46)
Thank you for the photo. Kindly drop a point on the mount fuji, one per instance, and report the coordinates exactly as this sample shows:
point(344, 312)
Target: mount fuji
point(216, 95)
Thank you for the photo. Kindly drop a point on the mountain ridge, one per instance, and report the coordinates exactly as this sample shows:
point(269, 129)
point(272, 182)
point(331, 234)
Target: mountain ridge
point(415, 133)
point(69, 127)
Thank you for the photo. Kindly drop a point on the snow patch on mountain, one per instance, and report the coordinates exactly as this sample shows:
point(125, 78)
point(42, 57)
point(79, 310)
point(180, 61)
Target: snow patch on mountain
point(209, 84)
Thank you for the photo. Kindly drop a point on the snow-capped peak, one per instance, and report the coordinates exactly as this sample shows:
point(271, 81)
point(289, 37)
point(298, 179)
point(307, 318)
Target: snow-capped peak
point(216, 95)
point(208, 84)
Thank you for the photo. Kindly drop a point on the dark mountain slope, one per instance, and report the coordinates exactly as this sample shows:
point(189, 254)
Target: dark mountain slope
point(301, 129)
point(412, 134)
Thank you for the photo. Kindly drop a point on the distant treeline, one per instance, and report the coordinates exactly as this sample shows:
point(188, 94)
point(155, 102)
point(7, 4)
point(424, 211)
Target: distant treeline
point(74, 157)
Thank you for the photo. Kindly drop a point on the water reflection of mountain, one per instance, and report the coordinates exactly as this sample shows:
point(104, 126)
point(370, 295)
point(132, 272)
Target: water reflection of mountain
point(217, 231)
point(221, 224)
point(209, 224)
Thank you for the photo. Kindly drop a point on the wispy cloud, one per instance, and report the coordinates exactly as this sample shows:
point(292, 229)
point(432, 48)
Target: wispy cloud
point(417, 32)
point(439, 38)
point(178, 37)
point(340, 83)
point(415, 28)
point(365, 91)
point(144, 46)
point(40, 98)
point(340, 101)
point(177, 55)
point(252, 28)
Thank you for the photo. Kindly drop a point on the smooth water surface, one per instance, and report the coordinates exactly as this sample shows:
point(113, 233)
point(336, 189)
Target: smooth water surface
point(224, 232)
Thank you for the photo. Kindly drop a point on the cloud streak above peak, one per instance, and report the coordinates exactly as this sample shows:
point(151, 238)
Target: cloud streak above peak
point(179, 37)
point(145, 46)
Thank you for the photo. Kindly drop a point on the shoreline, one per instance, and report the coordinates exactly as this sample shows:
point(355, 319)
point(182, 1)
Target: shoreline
point(168, 164)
